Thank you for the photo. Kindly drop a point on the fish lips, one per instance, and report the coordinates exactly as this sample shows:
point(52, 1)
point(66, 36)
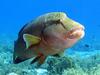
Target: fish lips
point(75, 33)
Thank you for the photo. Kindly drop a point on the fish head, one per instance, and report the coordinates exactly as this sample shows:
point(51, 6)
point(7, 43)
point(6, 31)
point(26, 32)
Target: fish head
point(62, 32)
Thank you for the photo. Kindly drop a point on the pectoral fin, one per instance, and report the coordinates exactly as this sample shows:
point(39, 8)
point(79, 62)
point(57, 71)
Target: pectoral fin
point(31, 40)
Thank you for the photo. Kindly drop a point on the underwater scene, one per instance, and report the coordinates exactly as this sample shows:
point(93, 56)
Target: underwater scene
point(49, 37)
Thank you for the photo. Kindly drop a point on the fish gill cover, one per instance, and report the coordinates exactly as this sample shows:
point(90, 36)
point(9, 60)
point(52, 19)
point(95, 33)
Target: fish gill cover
point(81, 59)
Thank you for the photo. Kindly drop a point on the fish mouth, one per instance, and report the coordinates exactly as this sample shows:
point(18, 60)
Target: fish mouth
point(75, 33)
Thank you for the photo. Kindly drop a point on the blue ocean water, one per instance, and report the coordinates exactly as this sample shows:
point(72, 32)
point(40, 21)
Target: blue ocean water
point(16, 13)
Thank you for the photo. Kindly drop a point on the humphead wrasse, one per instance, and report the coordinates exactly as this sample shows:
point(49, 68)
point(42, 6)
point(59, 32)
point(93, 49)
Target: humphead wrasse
point(47, 35)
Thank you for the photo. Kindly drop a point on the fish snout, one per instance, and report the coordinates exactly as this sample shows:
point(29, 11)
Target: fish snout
point(76, 33)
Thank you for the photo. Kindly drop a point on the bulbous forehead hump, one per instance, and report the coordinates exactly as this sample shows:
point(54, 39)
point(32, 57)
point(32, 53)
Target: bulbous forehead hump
point(52, 16)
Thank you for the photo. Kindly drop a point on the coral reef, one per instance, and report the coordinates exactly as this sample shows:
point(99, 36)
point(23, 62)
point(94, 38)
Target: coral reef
point(73, 63)
point(57, 65)
point(89, 65)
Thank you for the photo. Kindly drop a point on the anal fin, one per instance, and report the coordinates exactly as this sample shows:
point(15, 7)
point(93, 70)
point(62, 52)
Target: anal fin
point(34, 60)
point(40, 59)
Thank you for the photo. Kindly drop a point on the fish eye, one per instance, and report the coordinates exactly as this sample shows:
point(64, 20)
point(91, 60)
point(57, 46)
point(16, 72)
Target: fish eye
point(59, 22)
point(55, 22)
point(63, 25)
